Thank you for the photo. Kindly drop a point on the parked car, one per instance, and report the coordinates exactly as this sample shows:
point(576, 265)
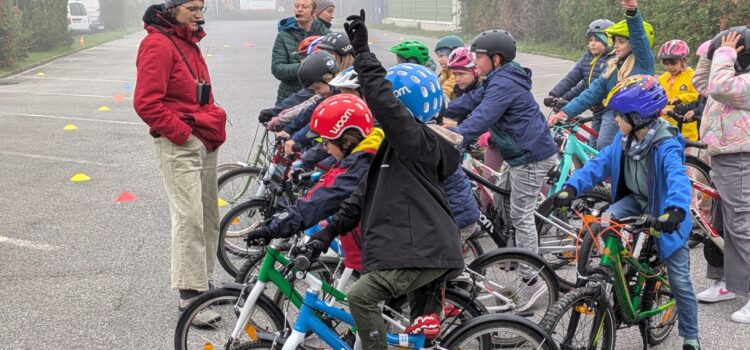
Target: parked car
point(78, 20)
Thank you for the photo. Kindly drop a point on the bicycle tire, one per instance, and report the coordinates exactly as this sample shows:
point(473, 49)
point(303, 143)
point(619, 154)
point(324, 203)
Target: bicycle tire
point(232, 249)
point(597, 196)
point(657, 333)
point(223, 301)
point(233, 187)
point(222, 168)
point(526, 334)
point(589, 296)
point(499, 263)
point(472, 249)
point(702, 174)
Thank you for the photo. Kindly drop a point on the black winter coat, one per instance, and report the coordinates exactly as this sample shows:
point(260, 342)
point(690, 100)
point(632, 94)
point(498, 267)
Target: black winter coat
point(406, 220)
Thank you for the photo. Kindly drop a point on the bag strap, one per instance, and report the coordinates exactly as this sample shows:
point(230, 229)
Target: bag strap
point(184, 58)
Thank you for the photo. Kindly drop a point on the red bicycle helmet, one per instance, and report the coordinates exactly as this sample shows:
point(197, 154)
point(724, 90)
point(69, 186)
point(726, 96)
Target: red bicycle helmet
point(305, 44)
point(339, 113)
point(462, 59)
point(673, 49)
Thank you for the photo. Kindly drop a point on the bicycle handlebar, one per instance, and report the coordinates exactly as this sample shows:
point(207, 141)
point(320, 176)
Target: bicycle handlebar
point(693, 144)
point(681, 118)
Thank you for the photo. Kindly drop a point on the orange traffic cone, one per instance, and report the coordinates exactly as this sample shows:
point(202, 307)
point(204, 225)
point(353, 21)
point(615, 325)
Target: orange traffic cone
point(82, 41)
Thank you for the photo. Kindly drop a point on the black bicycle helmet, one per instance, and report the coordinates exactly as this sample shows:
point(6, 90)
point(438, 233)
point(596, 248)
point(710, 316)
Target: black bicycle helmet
point(338, 43)
point(315, 66)
point(743, 58)
point(598, 26)
point(495, 42)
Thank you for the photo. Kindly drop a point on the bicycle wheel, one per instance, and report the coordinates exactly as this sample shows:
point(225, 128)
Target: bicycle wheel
point(266, 321)
point(588, 254)
point(458, 308)
point(570, 322)
point(514, 280)
point(233, 250)
point(656, 294)
point(222, 168)
point(472, 249)
point(237, 186)
point(700, 172)
point(499, 331)
point(550, 237)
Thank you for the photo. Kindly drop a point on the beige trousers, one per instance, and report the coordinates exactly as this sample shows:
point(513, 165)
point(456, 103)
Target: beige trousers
point(189, 172)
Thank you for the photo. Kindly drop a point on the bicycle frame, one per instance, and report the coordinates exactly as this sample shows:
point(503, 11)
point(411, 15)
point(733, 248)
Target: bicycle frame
point(613, 257)
point(572, 147)
point(308, 321)
point(268, 274)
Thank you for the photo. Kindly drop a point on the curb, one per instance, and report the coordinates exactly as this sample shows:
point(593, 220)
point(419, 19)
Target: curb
point(48, 60)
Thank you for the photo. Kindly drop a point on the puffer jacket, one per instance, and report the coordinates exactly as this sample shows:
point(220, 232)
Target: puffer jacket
point(681, 87)
point(505, 106)
point(448, 81)
point(461, 199)
point(644, 64)
point(284, 63)
point(588, 68)
point(725, 127)
point(165, 94)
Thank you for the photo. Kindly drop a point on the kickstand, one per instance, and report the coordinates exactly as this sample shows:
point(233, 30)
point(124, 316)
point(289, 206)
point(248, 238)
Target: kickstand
point(643, 326)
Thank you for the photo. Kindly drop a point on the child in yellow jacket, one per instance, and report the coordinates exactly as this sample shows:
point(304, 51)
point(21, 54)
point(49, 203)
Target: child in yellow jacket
point(677, 81)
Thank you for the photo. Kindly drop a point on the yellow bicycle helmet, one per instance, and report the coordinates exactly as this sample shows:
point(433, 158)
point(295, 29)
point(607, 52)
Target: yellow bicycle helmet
point(621, 29)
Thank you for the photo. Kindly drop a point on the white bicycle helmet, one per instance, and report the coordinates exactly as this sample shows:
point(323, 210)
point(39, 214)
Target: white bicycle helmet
point(346, 79)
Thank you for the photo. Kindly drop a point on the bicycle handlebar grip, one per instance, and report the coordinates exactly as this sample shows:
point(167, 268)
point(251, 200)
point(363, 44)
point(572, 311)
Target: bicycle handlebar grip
point(549, 101)
point(694, 144)
point(278, 128)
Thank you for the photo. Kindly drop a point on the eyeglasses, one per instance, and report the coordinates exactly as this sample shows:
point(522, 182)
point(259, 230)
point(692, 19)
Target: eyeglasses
point(196, 9)
point(669, 61)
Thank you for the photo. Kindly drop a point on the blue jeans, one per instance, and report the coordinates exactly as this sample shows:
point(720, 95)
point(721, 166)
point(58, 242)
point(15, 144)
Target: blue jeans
point(607, 129)
point(678, 268)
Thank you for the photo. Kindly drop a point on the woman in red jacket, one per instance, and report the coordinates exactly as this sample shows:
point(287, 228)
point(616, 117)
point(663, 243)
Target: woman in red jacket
point(173, 96)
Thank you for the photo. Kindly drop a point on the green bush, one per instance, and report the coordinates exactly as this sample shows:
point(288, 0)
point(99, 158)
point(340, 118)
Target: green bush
point(45, 23)
point(11, 37)
point(564, 22)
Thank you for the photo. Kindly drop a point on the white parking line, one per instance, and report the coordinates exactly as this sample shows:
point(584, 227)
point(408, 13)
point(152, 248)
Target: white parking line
point(70, 118)
point(58, 94)
point(27, 244)
point(76, 79)
point(549, 75)
point(58, 159)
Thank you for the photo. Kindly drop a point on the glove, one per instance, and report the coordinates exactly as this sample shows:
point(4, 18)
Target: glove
point(565, 197)
point(319, 242)
point(484, 140)
point(357, 32)
point(670, 221)
point(273, 123)
point(259, 236)
point(549, 101)
point(265, 116)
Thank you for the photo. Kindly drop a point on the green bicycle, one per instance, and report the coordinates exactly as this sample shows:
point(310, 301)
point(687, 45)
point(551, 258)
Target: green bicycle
point(628, 286)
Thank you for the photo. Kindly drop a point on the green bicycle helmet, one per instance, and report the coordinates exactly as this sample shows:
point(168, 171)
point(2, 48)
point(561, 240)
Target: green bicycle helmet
point(621, 29)
point(450, 42)
point(412, 49)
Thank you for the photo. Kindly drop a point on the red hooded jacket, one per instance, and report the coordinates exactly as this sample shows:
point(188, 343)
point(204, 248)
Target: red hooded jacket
point(165, 93)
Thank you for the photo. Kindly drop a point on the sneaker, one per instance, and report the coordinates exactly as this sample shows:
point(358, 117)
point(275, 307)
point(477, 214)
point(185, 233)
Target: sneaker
point(529, 294)
point(691, 347)
point(429, 325)
point(717, 292)
point(742, 315)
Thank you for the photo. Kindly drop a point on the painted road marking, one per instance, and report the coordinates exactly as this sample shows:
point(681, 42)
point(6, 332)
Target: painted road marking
point(58, 94)
point(71, 118)
point(27, 244)
point(76, 79)
point(58, 159)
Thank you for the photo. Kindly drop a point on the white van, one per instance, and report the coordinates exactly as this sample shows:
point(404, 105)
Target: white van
point(78, 21)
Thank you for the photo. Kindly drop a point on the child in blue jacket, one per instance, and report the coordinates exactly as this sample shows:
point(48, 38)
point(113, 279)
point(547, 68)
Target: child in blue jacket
point(633, 39)
point(505, 106)
point(645, 164)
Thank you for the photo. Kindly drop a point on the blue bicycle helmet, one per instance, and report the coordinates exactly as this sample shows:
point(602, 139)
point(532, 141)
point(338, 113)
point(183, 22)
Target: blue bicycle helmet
point(418, 88)
point(640, 98)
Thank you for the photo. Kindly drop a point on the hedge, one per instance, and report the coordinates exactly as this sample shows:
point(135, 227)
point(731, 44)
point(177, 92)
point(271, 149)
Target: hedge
point(11, 37)
point(564, 22)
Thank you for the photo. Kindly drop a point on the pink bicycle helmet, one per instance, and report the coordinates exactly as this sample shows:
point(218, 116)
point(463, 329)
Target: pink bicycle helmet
point(462, 59)
point(703, 49)
point(673, 49)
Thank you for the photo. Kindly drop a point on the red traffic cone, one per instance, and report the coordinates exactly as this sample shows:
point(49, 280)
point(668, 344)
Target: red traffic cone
point(126, 197)
point(82, 42)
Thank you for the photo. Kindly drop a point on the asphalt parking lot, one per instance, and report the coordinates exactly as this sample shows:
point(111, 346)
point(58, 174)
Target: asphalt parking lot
point(79, 269)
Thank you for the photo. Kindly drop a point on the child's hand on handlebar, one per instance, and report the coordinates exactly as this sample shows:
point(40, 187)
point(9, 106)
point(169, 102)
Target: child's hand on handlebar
point(289, 147)
point(556, 118)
